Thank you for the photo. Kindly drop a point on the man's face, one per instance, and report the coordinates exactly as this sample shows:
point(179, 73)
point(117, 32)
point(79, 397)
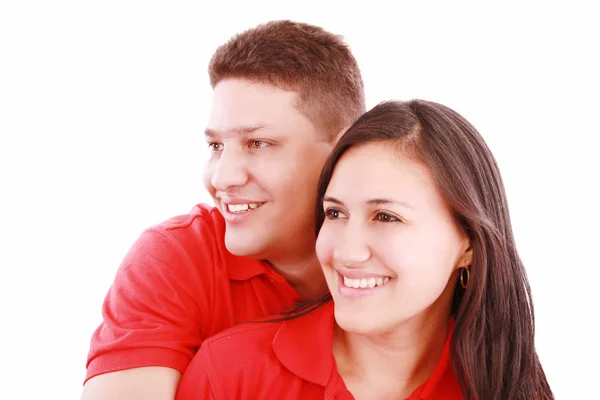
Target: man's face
point(263, 170)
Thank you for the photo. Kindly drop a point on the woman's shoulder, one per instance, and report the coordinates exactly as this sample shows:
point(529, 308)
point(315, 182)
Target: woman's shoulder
point(262, 359)
point(230, 363)
point(235, 340)
point(261, 335)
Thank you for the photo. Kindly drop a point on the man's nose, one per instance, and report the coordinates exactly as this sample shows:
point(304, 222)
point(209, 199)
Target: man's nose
point(231, 170)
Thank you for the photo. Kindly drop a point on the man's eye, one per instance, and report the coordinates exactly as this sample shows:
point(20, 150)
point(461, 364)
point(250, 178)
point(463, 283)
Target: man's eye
point(257, 144)
point(214, 146)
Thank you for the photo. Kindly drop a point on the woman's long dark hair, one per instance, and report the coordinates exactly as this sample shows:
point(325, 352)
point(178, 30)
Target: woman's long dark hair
point(493, 352)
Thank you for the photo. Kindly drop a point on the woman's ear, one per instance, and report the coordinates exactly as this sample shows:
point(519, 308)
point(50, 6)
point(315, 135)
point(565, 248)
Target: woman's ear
point(466, 259)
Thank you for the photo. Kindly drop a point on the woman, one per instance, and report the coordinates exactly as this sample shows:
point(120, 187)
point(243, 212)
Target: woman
point(430, 298)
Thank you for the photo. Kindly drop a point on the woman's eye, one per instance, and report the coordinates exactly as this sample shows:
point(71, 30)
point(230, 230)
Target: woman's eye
point(333, 213)
point(385, 217)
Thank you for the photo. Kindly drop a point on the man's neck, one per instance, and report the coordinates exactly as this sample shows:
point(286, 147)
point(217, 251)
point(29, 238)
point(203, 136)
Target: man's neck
point(305, 276)
point(396, 364)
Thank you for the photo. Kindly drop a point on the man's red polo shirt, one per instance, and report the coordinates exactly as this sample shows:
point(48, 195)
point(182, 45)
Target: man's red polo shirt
point(288, 361)
point(178, 285)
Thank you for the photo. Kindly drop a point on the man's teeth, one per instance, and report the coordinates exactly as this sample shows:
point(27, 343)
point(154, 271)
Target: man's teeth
point(238, 208)
point(366, 282)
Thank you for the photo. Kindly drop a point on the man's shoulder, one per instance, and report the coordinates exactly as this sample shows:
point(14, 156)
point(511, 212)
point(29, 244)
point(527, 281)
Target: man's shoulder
point(200, 231)
point(195, 240)
point(192, 242)
point(202, 219)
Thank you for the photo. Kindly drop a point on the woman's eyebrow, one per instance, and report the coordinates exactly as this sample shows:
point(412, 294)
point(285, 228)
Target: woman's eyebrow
point(389, 201)
point(332, 200)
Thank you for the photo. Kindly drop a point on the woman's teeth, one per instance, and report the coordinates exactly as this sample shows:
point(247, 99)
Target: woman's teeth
point(364, 283)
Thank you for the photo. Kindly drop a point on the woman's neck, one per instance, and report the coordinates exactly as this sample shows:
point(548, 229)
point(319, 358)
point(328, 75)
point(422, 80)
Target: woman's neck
point(393, 365)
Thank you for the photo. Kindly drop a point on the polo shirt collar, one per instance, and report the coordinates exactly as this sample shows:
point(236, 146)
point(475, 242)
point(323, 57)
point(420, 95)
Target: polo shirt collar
point(305, 345)
point(244, 268)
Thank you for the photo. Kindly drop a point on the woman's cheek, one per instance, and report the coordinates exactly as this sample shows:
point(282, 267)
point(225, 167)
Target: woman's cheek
point(323, 245)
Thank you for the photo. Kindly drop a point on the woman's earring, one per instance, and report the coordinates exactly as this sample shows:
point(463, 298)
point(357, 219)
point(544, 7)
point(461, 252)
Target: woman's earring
point(464, 282)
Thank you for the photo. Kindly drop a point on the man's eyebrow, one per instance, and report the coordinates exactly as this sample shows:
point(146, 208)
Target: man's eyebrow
point(240, 130)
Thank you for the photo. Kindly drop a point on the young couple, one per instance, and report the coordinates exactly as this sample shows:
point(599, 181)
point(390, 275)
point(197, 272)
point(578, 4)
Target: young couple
point(411, 287)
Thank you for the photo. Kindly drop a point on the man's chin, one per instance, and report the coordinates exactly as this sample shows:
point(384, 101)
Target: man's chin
point(242, 245)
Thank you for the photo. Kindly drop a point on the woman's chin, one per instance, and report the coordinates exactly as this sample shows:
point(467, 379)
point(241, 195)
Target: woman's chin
point(359, 323)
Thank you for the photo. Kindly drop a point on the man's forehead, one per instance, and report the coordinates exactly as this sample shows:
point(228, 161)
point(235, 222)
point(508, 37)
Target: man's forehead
point(238, 95)
point(238, 106)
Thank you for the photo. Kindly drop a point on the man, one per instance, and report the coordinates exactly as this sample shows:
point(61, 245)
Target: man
point(282, 92)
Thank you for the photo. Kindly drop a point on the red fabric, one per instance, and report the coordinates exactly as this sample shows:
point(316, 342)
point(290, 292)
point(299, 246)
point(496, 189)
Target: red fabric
point(287, 361)
point(177, 286)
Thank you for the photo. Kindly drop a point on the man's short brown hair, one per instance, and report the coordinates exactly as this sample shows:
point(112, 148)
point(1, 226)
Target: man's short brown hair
point(299, 57)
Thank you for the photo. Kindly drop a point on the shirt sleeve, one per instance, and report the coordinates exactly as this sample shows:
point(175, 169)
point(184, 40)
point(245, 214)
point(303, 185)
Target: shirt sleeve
point(153, 311)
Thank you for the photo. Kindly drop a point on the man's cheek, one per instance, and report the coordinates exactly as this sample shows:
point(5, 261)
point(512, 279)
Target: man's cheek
point(207, 176)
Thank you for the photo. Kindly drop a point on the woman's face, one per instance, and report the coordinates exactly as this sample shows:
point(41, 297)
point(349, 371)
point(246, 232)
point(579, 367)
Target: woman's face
point(389, 245)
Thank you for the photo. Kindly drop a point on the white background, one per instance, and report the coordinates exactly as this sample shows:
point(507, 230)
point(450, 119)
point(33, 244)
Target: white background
point(103, 105)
